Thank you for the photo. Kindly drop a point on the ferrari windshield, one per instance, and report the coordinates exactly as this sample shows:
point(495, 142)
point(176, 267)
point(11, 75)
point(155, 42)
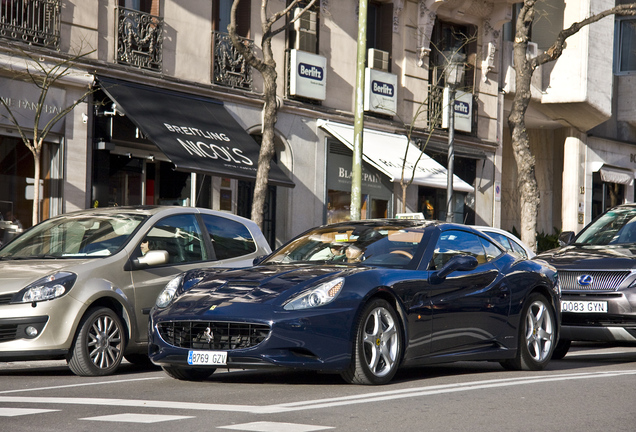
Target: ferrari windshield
point(74, 236)
point(371, 245)
point(617, 226)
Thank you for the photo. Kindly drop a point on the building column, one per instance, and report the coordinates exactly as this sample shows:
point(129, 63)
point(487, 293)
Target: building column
point(576, 192)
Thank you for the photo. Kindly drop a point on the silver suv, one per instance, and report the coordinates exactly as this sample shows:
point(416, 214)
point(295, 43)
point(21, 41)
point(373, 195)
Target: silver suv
point(80, 286)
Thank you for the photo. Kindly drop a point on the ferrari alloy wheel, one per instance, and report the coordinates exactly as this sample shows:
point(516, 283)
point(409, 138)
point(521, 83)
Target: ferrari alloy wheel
point(537, 335)
point(188, 374)
point(378, 347)
point(99, 344)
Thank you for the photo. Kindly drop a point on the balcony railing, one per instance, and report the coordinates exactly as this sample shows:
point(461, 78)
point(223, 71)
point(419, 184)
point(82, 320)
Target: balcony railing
point(36, 22)
point(230, 68)
point(139, 39)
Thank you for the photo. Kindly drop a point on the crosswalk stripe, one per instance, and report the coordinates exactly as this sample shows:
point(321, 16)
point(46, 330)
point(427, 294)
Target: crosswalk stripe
point(14, 412)
point(265, 426)
point(137, 418)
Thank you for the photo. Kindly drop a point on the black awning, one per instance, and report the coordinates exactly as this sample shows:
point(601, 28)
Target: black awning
point(197, 134)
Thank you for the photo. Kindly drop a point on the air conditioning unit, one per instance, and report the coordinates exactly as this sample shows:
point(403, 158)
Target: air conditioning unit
point(305, 27)
point(531, 51)
point(378, 59)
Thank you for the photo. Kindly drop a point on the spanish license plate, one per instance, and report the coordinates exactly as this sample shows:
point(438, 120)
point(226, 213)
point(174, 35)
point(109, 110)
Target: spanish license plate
point(207, 358)
point(584, 306)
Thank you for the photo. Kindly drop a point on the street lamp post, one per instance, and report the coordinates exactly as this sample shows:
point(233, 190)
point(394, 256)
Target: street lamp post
point(453, 73)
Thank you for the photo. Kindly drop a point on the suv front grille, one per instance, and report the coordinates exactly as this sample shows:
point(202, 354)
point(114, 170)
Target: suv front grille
point(212, 335)
point(601, 280)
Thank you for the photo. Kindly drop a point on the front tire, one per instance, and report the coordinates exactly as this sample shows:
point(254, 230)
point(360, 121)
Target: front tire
point(562, 348)
point(378, 346)
point(99, 344)
point(537, 332)
point(188, 374)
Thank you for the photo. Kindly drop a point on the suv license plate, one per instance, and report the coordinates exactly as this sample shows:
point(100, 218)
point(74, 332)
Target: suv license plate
point(583, 306)
point(209, 358)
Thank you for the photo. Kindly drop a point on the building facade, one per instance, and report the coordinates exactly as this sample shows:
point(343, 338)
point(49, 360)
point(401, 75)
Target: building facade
point(174, 111)
point(582, 118)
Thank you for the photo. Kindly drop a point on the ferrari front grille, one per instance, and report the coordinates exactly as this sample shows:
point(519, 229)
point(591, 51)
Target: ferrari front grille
point(212, 335)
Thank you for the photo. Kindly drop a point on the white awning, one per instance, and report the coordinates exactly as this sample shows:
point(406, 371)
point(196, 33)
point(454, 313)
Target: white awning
point(385, 151)
point(612, 174)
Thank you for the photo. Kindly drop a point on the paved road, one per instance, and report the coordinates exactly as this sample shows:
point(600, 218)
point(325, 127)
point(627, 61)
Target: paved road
point(592, 389)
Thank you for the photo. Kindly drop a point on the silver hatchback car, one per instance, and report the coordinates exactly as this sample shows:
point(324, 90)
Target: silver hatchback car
point(80, 286)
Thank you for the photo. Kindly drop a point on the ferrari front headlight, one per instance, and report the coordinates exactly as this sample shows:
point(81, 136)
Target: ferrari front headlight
point(318, 296)
point(167, 294)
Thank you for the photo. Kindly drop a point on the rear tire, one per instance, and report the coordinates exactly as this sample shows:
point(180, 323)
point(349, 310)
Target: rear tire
point(378, 348)
point(99, 344)
point(537, 332)
point(562, 348)
point(188, 374)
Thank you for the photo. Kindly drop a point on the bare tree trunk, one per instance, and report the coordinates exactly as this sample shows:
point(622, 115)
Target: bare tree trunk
point(36, 187)
point(526, 180)
point(267, 150)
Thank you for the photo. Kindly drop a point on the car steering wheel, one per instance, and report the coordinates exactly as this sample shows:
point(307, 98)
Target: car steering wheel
point(401, 252)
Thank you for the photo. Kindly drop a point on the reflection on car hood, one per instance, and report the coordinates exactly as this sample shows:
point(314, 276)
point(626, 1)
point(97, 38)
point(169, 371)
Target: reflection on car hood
point(257, 285)
point(592, 257)
point(17, 274)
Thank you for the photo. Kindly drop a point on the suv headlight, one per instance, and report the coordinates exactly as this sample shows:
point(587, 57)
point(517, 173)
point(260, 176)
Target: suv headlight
point(318, 296)
point(47, 288)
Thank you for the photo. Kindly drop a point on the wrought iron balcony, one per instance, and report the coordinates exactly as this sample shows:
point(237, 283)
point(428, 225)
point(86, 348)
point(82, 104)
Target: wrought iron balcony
point(36, 22)
point(435, 106)
point(139, 39)
point(230, 68)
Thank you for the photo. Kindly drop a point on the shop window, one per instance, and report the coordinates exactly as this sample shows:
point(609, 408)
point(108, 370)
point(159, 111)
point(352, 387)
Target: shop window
point(605, 195)
point(16, 178)
point(625, 53)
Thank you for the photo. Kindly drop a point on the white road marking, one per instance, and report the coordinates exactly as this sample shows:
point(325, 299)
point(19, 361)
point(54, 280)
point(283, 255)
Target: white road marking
point(14, 412)
point(137, 418)
point(275, 427)
point(321, 403)
point(84, 384)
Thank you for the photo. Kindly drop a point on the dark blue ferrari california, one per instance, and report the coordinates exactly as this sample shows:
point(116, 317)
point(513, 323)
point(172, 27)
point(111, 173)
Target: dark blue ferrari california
point(362, 299)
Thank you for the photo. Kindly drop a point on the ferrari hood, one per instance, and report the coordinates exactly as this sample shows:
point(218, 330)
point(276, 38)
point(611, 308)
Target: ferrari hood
point(592, 257)
point(252, 286)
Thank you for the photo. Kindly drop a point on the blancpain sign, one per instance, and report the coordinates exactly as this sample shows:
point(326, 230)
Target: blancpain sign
point(380, 92)
point(308, 75)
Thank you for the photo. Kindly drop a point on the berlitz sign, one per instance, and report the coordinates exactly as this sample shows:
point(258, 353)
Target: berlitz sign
point(308, 77)
point(380, 95)
point(462, 109)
